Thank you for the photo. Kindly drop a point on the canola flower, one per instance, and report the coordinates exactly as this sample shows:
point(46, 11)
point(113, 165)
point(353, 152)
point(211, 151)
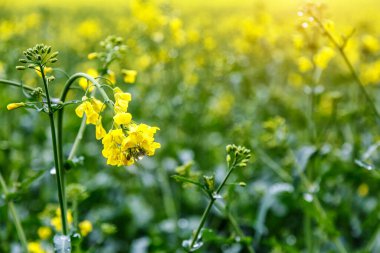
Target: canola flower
point(35, 247)
point(127, 141)
point(85, 227)
point(44, 232)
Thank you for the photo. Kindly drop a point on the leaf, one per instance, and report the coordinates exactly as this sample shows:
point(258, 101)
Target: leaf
point(304, 155)
point(187, 180)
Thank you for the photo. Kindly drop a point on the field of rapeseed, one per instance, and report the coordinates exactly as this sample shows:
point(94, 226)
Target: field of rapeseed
point(154, 126)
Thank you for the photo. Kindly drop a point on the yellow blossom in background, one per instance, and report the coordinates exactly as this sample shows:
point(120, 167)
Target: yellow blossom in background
point(85, 227)
point(295, 80)
point(370, 43)
point(13, 106)
point(323, 57)
point(129, 75)
point(111, 77)
point(144, 62)
point(370, 73)
point(89, 29)
point(44, 232)
point(47, 70)
point(363, 190)
point(56, 221)
point(92, 56)
point(84, 83)
point(35, 247)
point(304, 64)
point(298, 41)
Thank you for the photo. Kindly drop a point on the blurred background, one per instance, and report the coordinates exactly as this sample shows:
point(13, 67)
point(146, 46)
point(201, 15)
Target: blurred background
point(210, 73)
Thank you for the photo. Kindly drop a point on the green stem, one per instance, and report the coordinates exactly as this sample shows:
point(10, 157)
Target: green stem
point(201, 224)
point(14, 214)
point(208, 209)
point(238, 230)
point(78, 138)
point(57, 163)
point(16, 84)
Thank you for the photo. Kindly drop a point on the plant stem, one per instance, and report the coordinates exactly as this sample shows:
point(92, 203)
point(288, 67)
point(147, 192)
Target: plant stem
point(235, 225)
point(57, 163)
point(208, 209)
point(16, 84)
point(201, 224)
point(78, 138)
point(14, 214)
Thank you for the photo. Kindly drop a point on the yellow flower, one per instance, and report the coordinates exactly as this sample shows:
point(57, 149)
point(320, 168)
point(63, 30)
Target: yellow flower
point(44, 232)
point(363, 190)
point(85, 227)
point(129, 75)
point(121, 100)
point(35, 247)
point(370, 43)
point(92, 56)
point(323, 57)
point(122, 118)
point(99, 130)
point(111, 77)
point(140, 141)
point(84, 83)
point(304, 64)
point(91, 107)
point(13, 106)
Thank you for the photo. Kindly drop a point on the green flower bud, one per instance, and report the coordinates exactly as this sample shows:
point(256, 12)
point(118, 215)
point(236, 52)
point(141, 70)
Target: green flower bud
point(20, 67)
point(53, 60)
point(23, 60)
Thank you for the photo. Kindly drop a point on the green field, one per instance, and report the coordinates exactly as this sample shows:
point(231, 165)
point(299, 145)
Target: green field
point(142, 159)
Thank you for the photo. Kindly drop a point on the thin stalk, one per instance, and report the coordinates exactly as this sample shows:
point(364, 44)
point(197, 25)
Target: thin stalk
point(79, 136)
point(203, 220)
point(234, 224)
point(340, 49)
point(56, 151)
point(14, 214)
point(209, 206)
point(16, 84)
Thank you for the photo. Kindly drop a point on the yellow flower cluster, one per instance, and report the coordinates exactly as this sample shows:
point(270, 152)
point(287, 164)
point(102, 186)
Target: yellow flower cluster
point(127, 141)
point(56, 221)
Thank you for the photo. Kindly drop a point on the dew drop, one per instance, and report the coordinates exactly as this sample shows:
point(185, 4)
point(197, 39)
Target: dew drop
point(305, 25)
point(300, 13)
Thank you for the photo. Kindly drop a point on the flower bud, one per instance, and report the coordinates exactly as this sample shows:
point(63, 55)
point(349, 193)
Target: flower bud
point(53, 55)
point(23, 60)
point(13, 106)
point(53, 60)
point(20, 67)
